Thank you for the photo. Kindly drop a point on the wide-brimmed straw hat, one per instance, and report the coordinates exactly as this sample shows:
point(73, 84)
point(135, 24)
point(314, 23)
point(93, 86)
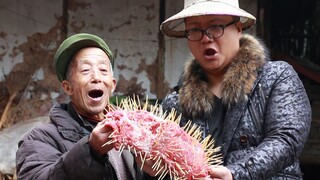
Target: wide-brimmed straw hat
point(73, 44)
point(174, 26)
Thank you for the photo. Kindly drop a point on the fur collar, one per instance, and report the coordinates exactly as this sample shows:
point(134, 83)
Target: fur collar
point(194, 96)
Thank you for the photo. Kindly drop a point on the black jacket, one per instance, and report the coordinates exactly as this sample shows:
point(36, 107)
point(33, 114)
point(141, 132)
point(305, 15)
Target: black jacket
point(268, 113)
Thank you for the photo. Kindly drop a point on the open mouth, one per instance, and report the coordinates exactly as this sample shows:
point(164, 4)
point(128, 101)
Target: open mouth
point(210, 52)
point(95, 93)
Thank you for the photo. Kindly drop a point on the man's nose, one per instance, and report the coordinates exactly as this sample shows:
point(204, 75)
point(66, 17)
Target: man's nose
point(96, 76)
point(206, 37)
point(208, 34)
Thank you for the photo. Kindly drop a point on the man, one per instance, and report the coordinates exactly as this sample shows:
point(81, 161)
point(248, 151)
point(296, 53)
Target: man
point(257, 110)
point(70, 146)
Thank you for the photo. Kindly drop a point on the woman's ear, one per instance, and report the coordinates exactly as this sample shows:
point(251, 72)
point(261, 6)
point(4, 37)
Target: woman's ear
point(67, 87)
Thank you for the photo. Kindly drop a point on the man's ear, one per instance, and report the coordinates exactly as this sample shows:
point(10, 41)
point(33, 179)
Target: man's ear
point(67, 87)
point(239, 26)
point(114, 81)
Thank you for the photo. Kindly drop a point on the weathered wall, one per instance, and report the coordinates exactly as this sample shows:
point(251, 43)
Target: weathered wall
point(31, 31)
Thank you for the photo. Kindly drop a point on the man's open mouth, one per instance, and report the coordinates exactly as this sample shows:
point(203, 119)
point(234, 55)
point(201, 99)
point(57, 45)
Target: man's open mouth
point(210, 52)
point(95, 93)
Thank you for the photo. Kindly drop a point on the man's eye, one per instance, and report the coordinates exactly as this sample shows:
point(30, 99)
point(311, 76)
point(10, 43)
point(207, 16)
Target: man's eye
point(85, 70)
point(194, 30)
point(104, 71)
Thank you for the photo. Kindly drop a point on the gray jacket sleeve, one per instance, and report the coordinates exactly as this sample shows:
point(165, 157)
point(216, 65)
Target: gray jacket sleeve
point(39, 156)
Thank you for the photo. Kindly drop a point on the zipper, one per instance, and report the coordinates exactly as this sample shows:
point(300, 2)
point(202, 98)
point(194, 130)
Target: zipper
point(260, 107)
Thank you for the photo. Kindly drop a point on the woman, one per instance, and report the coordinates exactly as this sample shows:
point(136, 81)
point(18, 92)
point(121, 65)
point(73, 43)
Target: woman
point(257, 110)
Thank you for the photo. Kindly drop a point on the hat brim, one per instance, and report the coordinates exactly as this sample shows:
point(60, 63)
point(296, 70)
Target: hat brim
point(73, 44)
point(174, 26)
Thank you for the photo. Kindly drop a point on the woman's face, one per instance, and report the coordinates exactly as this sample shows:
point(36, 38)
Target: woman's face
point(214, 55)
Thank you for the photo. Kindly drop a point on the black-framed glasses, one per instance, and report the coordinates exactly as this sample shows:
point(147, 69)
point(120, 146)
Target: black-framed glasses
point(213, 32)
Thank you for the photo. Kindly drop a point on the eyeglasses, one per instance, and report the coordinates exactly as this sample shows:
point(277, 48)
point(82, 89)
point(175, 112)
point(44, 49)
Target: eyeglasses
point(213, 32)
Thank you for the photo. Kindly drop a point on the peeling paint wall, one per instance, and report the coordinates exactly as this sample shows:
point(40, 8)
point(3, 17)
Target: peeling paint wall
point(31, 31)
point(28, 33)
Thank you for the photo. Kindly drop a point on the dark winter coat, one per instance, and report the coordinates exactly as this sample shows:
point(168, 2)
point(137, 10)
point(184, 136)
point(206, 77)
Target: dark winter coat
point(59, 150)
point(268, 112)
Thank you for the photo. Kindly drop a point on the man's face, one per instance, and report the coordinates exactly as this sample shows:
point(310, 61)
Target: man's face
point(214, 55)
point(90, 81)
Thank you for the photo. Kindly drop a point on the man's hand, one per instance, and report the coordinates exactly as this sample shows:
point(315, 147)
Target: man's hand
point(99, 136)
point(220, 173)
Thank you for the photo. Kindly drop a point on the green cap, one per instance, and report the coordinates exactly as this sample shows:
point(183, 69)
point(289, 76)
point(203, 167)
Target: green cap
point(73, 44)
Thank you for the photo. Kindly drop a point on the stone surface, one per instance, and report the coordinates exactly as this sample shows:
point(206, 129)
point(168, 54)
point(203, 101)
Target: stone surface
point(9, 139)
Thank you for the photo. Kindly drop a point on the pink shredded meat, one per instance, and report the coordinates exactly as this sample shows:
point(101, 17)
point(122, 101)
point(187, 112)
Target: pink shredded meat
point(153, 137)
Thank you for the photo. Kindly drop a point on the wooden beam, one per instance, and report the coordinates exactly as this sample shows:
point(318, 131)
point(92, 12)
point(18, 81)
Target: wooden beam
point(304, 70)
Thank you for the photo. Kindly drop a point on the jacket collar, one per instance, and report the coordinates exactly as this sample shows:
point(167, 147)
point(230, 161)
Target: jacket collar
point(194, 95)
point(67, 126)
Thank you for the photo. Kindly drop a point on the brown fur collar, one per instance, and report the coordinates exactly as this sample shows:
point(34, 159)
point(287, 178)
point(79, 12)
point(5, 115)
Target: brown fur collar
point(196, 99)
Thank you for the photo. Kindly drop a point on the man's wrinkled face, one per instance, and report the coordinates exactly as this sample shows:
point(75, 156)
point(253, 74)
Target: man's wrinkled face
point(90, 81)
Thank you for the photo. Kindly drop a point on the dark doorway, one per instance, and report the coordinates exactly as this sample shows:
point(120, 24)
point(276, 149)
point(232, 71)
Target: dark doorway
point(292, 27)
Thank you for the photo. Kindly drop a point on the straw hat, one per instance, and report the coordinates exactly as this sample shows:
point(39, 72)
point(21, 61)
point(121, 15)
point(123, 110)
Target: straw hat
point(174, 26)
point(73, 44)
